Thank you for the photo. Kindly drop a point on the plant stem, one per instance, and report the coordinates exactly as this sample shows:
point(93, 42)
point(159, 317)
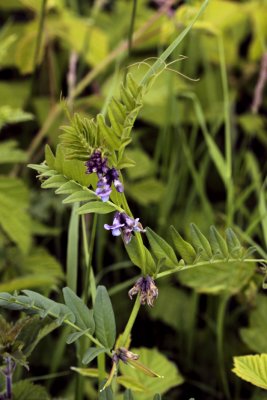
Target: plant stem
point(228, 139)
point(89, 278)
point(220, 336)
point(131, 30)
point(131, 320)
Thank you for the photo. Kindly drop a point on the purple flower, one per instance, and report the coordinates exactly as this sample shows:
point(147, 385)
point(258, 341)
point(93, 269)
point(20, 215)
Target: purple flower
point(96, 163)
point(106, 175)
point(125, 225)
point(147, 289)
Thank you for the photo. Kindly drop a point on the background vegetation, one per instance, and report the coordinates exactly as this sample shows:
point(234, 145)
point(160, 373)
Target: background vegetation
point(199, 149)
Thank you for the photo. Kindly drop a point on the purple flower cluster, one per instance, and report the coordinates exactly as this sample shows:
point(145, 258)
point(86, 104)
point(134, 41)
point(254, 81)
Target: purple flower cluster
point(106, 175)
point(124, 225)
point(147, 289)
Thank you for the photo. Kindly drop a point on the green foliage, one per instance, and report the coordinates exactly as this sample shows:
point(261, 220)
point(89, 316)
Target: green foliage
point(252, 369)
point(155, 361)
point(161, 249)
point(254, 335)
point(85, 135)
point(83, 316)
point(105, 326)
point(25, 390)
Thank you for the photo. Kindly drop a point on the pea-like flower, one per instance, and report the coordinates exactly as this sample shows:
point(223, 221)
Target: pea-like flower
point(147, 289)
point(124, 225)
point(106, 175)
point(124, 355)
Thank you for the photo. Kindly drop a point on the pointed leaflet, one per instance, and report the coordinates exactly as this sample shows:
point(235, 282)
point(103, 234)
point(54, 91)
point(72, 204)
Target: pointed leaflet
point(184, 248)
point(105, 328)
point(128, 395)
point(218, 244)
point(141, 256)
point(252, 369)
point(98, 207)
point(233, 243)
point(84, 316)
point(92, 353)
point(200, 242)
point(161, 249)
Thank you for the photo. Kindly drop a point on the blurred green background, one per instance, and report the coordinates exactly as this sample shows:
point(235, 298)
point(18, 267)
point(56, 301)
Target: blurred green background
point(80, 50)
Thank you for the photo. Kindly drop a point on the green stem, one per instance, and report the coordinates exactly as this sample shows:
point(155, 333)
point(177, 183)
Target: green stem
point(131, 30)
point(89, 278)
point(228, 140)
point(38, 42)
point(220, 340)
point(131, 320)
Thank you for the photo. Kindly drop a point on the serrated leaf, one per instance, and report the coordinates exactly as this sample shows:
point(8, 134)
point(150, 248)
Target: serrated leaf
point(252, 368)
point(105, 327)
point(98, 207)
point(141, 256)
point(161, 249)
point(84, 316)
point(92, 353)
point(200, 242)
point(183, 247)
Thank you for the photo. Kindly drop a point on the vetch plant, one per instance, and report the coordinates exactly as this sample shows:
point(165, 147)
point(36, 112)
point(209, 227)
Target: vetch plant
point(87, 168)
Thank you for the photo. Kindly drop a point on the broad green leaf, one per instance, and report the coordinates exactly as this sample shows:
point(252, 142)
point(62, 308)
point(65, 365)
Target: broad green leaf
point(84, 316)
point(200, 242)
point(98, 207)
point(184, 248)
point(48, 306)
point(173, 307)
point(25, 390)
point(92, 353)
point(146, 191)
point(159, 363)
point(14, 219)
point(215, 278)
point(131, 383)
point(10, 115)
point(105, 327)
point(252, 368)
point(141, 257)
point(9, 153)
point(161, 249)
point(254, 335)
point(73, 337)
